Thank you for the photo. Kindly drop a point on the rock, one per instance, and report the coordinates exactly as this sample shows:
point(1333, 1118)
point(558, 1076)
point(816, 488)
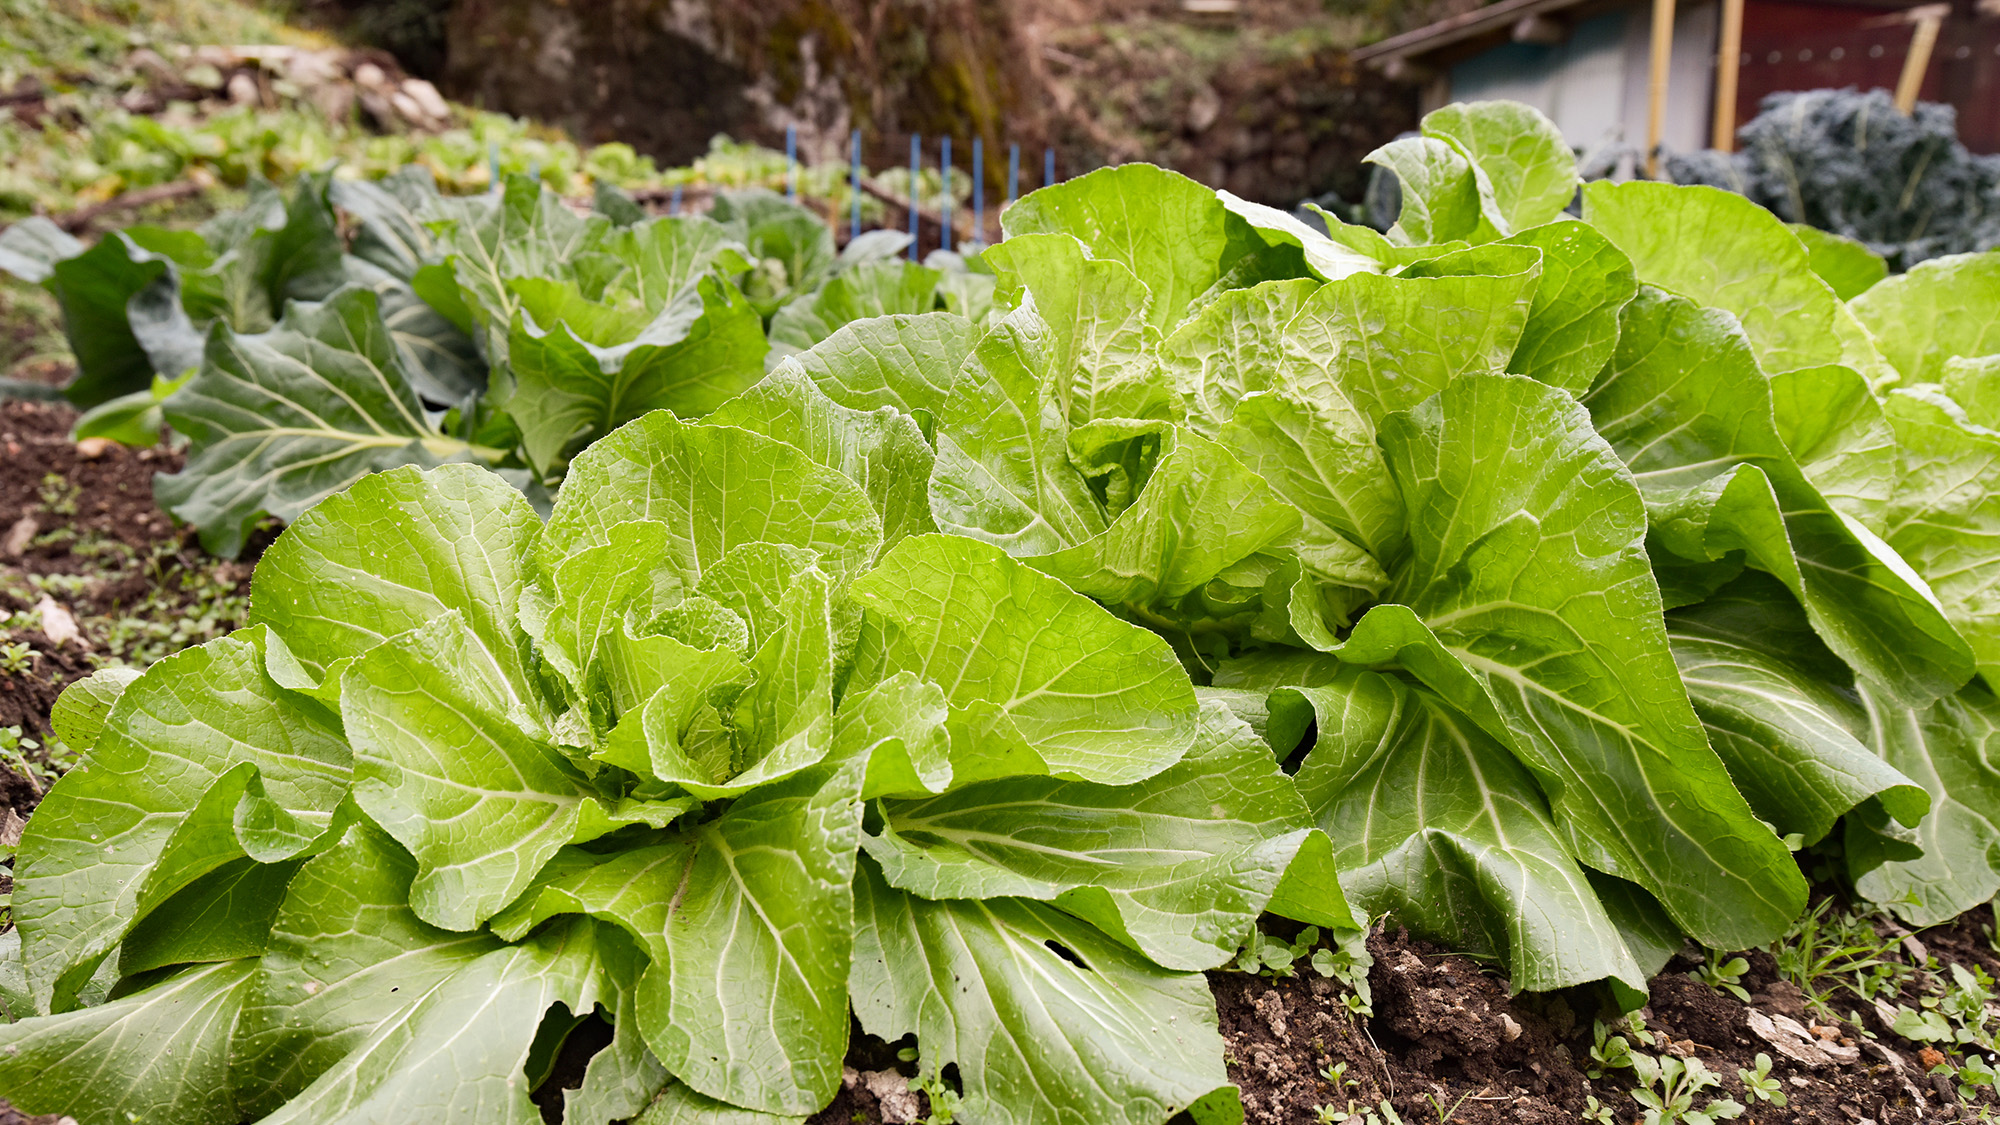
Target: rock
point(897, 1102)
point(11, 825)
point(18, 537)
point(91, 448)
point(427, 98)
point(1793, 1041)
point(369, 76)
point(242, 89)
point(57, 623)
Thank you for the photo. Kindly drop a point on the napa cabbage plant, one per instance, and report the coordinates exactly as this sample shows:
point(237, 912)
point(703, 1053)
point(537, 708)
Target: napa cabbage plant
point(731, 750)
point(1417, 505)
point(356, 326)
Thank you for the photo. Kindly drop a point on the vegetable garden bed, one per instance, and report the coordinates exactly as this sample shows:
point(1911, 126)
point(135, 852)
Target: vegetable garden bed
point(750, 644)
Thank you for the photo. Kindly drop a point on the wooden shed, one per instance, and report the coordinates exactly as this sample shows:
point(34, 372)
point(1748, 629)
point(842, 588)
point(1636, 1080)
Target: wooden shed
point(1591, 64)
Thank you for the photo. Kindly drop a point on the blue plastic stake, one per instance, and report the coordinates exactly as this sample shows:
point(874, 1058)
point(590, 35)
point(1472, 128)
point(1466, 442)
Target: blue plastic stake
point(944, 209)
point(535, 172)
point(854, 184)
point(675, 207)
point(1013, 173)
point(791, 162)
point(493, 162)
point(1048, 167)
point(978, 193)
point(916, 154)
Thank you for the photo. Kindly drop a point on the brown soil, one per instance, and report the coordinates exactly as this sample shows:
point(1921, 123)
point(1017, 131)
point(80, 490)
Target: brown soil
point(82, 531)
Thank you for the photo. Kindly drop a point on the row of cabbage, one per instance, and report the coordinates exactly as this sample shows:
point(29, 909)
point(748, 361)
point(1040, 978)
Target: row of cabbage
point(358, 325)
point(1539, 583)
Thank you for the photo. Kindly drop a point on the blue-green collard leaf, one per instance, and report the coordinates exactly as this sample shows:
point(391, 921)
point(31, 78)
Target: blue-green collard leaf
point(1948, 748)
point(1046, 1019)
point(1178, 866)
point(1440, 191)
point(1388, 343)
point(1527, 564)
point(93, 288)
point(1780, 712)
point(1097, 699)
point(1328, 259)
point(1572, 327)
point(713, 487)
point(458, 1051)
point(30, 249)
point(1103, 343)
point(346, 956)
point(1685, 404)
point(128, 828)
point(282, 420)
point(881, 288)
point(666, 258)
point(1945, 515)
point(1847, 266)
point(1435, 822)
point(159, 1054)
point(1120, 214)
point(883, 450)
point(443, 363)
point(1003, 471)
point(572, 388)
point(407, 548)
point(905, 362)
point(444, 764)
point(390, 216)
point(1722, 250)
point(1940, 310)
point(1200, 511)
point(1525, 171)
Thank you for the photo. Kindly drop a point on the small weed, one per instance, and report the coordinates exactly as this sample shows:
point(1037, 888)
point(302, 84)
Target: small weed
point(932, 1084)
point(17, 659)
point(1347, 962)
point(59, 495)
point(1337, 1074)
point(1594, 1110)
point(1759, 1084)
point(1827, 950)
point(1723, 976)
point(1358, 1114)
point(1443, 1114)
point(1669, 1086)
point(1609, 1052)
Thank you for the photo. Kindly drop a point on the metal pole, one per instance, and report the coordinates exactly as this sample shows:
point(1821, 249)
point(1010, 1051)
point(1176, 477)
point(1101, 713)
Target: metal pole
point(944, 208)
point(1656, 100)
point(978, 192)
point(1048, 167)
point(1728, 61)
point(916, 155)
point(1918, 60)
point(1013, 173)
point(854, 184)
point(792, 162)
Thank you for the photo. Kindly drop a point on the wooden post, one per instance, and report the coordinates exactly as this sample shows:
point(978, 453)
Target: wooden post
point(1918, 60)
point(1656, 101)
point(1728, 61)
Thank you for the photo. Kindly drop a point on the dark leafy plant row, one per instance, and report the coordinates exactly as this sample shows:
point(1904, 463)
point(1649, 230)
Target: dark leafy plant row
point(1539, 584)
